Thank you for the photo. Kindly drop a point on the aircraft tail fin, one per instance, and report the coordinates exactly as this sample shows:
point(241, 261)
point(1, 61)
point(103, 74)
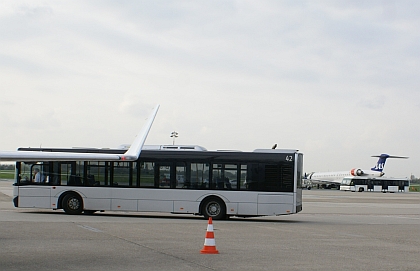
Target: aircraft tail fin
point(134, 151)
point(380, 165)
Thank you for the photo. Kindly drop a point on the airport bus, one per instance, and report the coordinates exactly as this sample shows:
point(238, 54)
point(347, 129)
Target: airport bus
point(361, 184)
point(171, 179)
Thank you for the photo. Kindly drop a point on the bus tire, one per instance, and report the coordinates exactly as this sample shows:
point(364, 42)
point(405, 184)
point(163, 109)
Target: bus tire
point(361, 189)
point(72, 204)
point(214, 208)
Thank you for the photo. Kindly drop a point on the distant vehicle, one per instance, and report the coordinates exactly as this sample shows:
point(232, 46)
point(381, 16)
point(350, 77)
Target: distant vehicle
point(307, 184)
point(177, 179)
point(334, 179)
point(361, 184)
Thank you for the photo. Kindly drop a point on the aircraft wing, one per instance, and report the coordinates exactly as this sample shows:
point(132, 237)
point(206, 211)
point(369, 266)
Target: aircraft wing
point(32, 156)
point(131, 154)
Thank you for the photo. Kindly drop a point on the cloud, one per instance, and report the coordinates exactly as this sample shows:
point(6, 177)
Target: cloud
point(329, 78)
point(377, 102)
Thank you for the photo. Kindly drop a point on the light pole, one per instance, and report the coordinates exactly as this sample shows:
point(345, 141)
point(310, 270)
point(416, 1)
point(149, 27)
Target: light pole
point(174, 135)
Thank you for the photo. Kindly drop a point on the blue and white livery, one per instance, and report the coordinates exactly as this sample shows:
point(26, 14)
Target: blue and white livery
point(331, 179)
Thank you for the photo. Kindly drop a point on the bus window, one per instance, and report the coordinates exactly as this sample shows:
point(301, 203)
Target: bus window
point(97, 174)
point(65, 171)
point(225, 176)
point(385, 185)
point(24, 170)
point(231, 176)
point(38, 173)
point(199, 176)
point(123, 174)
point(253, 173)
point(370, 184)
point(346, 181)
point(401, 185)
point(164, 174)
point(72, 173)
point(243, 177)
point(181, 175)
point(147, 174)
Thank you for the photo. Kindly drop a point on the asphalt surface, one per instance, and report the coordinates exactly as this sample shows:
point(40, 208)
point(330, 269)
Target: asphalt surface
point(335, 231)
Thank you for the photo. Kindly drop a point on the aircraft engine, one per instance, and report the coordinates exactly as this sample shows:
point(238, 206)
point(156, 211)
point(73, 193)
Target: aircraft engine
point(356, 172)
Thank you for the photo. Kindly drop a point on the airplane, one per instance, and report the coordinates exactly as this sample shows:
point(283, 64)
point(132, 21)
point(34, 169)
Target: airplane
point(334, 179)
point(131, 154)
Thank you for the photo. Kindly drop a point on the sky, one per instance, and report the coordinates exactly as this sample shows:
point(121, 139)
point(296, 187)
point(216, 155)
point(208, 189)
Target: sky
point(337, 80)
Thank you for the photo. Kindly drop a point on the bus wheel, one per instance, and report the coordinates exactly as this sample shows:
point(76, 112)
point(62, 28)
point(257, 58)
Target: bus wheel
point(214, 208)
point(72, 204)
point(361, 189)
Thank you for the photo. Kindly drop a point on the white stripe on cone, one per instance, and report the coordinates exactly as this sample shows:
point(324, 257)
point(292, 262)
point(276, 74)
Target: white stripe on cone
point(209, 242)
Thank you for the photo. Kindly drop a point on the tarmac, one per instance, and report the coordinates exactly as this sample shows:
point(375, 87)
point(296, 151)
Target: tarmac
point(336, 230)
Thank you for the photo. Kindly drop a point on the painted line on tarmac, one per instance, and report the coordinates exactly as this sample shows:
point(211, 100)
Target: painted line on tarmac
point(405, 217)
point(352, 235)
point(89, 228)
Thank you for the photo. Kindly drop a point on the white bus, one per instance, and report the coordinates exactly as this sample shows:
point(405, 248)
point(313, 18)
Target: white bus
point(361, 184)
point(185, 180)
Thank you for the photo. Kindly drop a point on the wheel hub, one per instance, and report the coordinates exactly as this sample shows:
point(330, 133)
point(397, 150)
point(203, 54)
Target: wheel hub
point(213, 209)
point(74, 204)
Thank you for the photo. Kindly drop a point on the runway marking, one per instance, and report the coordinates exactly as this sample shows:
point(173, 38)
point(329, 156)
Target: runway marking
point(352, 235)
point(417, 218)
point(89, 228)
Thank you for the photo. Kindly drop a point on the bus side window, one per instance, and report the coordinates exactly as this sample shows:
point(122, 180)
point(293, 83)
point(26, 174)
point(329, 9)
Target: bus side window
point(147, 170)
point(91, 180)
point(181, 179)
point(199, 176)
point(243, 177)
point(39, 173)
point(251, 181)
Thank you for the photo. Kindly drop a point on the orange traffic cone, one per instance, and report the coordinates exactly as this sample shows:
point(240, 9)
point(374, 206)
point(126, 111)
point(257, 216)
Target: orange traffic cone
point(209, 241)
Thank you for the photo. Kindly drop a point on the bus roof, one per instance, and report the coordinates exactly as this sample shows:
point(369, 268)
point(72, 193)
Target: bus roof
point(174, 147)
point(122, 148)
